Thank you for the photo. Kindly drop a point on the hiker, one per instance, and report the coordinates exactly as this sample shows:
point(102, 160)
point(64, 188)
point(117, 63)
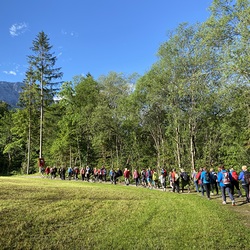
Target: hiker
point(52, 173)
point(126, 175)
point(213, 182)
point(99, 173)
point(225, 185)
point(235, 182)
point(175, 181)
point(149, 178)
point(195, 181)
point(118, 174)
point(185, 180)
point(205, 179)
point(136, 177)
point(198, 177)
point(104, 173)
point(95, 174)
point(87, 173)
point(70, 173)
point(115, 175)
point(76, 172)
point(111, 175)
point(42, 170)
point(162, 179)
point(243, 177)
point(47, 171)
point(82, 173)
point(62, 173)
point(164, 172)
point(143, 178)
point(155, 179)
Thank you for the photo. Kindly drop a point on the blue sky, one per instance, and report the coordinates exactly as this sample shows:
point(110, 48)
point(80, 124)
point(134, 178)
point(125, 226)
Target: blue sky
point(95, 36)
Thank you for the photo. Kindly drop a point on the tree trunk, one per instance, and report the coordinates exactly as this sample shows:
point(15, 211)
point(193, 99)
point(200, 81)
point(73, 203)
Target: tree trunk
point(192, 145)
point(41, 120)
point(178, 146)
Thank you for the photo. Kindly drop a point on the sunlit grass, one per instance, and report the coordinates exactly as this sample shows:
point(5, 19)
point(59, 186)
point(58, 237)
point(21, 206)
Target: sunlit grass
point(53, 214)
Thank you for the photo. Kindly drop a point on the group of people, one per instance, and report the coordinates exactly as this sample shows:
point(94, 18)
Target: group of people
point(205, 180)
point(208, 181)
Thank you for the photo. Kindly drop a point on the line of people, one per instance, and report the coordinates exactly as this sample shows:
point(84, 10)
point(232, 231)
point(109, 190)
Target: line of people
point(206, 181)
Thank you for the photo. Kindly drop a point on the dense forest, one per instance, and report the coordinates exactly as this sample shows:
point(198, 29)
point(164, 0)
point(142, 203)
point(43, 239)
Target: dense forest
point(191, 109)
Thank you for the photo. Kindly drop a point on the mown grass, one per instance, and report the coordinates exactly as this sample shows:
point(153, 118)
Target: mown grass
point(53, 214)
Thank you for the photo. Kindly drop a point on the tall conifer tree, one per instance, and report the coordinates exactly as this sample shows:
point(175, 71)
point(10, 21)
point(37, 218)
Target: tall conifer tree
point(43, 64)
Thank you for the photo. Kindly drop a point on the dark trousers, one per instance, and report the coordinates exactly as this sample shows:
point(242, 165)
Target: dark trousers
point(206, 186)
point(136, 181)
point(176, 186)
point(224, 190)
point(214, 186)
point(235, 184)
point(246, 188)
point(184, 184)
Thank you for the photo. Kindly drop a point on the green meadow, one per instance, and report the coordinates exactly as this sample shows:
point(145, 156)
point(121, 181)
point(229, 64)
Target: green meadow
point(39, 213)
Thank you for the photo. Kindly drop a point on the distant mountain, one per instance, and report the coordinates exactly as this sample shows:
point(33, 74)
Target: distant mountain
point(9, 92)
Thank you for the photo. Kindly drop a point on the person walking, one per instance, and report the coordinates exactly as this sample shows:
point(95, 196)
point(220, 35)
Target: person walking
point(126, 175)
point(200, 184)
point(205, 179)
point(235, 182)
point(155, 179)
point(195, 181)
point(175, 181)
point(185, 180)
point(213, 182)
point(162, 179)
point(225, 185)
point(136, 177)
point(244, 178)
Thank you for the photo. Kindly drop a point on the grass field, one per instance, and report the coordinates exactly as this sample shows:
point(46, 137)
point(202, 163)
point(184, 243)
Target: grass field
point(47, 214)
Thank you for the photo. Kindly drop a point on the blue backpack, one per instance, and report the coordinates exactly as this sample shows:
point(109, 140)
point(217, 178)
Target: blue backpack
point(207, 177)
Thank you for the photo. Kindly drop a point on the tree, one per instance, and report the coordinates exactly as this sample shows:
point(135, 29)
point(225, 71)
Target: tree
point(43, 66)
point(29, 103)
point(5, 136)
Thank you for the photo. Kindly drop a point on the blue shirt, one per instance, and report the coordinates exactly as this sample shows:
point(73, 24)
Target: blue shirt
point(241, 178)
point(220, 177)
point(203, 179)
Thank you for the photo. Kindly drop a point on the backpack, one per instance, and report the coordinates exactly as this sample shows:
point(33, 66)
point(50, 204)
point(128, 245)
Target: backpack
point(119, 173)
point(149, 174)
point(247, 177)
point(164, 172)
point(207, 177)
point(198, 176)
point(226, 179)
point(214, 177)
point(185, 176)
point(234, 175)
point(176, 177)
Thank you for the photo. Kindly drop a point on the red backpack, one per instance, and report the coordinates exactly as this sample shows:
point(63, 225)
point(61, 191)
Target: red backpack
point(234, 175)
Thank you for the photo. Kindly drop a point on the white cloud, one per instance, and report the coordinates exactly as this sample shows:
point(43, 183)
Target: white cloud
point(71, 33)
point(64, 32)
point(18, 29)
point(11, 72)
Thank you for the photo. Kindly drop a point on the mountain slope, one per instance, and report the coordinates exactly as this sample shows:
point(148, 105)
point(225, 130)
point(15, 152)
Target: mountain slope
point(9, 92)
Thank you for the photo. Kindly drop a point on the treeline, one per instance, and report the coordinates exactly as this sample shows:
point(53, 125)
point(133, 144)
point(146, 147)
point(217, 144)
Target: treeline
point(191, 109)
